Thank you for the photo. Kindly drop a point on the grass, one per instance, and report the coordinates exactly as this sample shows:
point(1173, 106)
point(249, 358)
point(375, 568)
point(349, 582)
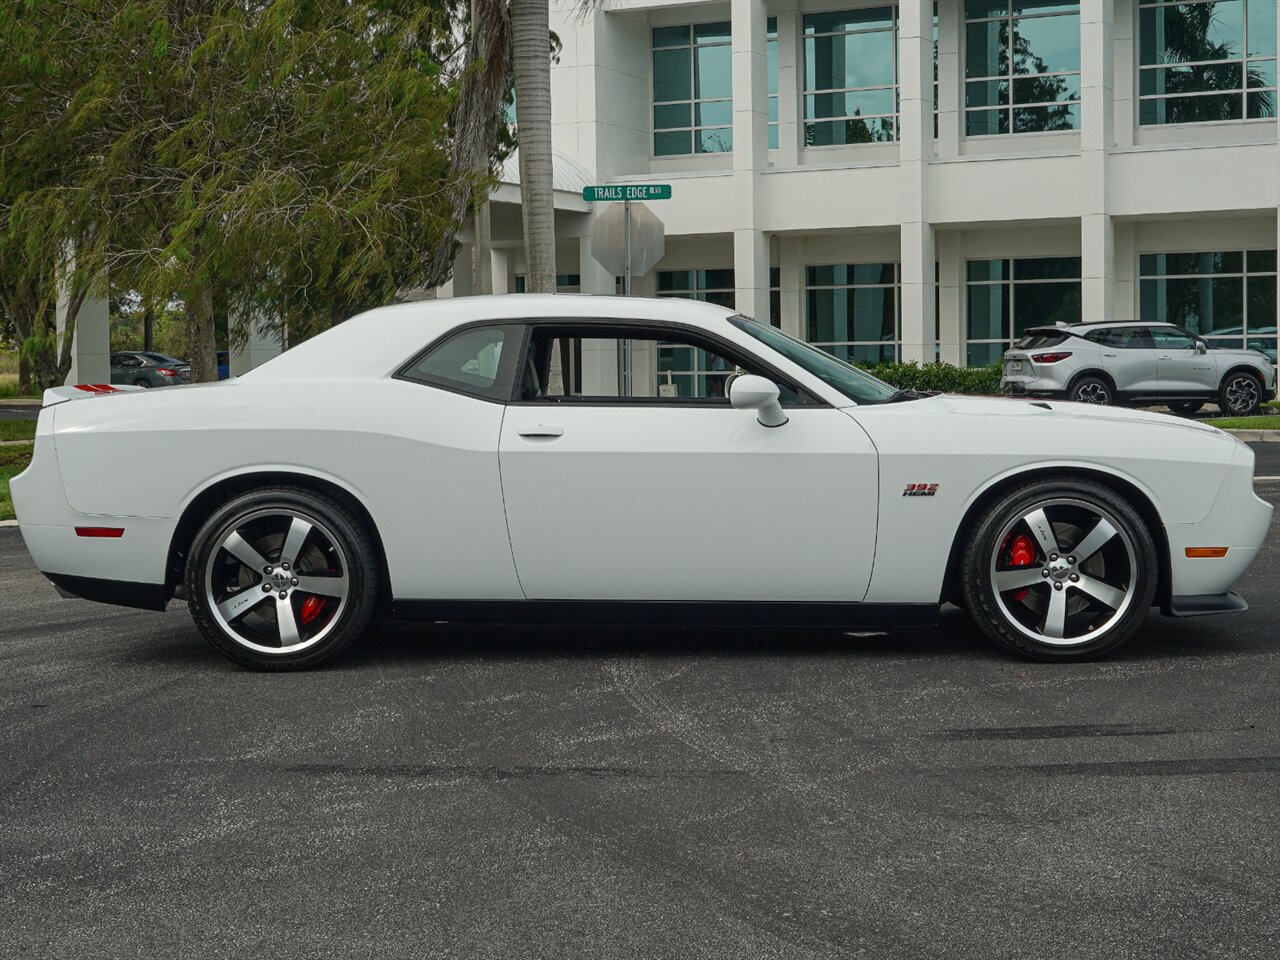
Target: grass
point(1245, 423)
point(13, 460)
point(17, 429)
point(9, 386)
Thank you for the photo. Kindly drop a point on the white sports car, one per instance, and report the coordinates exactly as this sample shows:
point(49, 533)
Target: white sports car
point(596, 458)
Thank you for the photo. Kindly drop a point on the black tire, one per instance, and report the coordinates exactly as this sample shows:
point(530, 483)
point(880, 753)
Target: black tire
point(1186, 408)
point(1092, 390)
point(335, 540)
point(1240, 395)
point(142, 382)
point(1009, 617)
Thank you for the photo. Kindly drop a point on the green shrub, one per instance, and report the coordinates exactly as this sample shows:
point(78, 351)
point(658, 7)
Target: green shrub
point(941, 377)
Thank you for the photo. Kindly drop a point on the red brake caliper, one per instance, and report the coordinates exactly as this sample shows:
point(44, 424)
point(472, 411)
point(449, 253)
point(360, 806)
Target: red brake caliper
point(311, 608)
point(1022, 553)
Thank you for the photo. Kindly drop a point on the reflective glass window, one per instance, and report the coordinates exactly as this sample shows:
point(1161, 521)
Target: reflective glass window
point(1203, 61)
point(850, 76)
point(1022, 67)
point(1005, 298)
point(692, 89)
point(852, 310)
point(1228, 297)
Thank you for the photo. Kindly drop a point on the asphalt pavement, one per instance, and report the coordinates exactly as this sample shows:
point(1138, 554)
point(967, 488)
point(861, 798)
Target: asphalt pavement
point(501, 792)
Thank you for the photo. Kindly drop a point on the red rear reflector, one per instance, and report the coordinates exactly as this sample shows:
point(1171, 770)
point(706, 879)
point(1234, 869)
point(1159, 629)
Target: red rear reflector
point(1049, 357)
point(96, 388)
point(1207, 553)
point(112, 533)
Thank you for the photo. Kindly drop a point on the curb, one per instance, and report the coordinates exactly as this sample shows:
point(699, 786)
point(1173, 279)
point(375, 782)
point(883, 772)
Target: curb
point(1256, 436)
point(8, 523)
point(15, 443)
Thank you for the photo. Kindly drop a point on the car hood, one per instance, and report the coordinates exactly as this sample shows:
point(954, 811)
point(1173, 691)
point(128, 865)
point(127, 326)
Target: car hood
point(1047, 410)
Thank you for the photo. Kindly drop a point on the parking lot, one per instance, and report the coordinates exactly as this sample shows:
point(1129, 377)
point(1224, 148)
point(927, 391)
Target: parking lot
point(501, 792)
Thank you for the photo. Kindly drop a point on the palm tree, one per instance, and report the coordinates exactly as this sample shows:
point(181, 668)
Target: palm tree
point(531, 63)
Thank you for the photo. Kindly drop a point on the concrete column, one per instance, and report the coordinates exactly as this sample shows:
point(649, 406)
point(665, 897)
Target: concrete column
point(950, 80)
point(791, 284)
point(259, 347)
point(915, 59)
point(500, 270)
point(750, 155)
point(91, 340)
point(460, 281)
point(790, 82)
point(751, 273)
point(950, 249)
point(595, 278)
point(1097, 127)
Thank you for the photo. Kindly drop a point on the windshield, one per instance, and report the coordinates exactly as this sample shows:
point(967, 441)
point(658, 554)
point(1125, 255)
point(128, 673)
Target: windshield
point(857, 385)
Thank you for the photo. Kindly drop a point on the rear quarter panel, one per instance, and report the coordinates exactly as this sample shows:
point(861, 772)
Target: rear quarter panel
point(422, 461)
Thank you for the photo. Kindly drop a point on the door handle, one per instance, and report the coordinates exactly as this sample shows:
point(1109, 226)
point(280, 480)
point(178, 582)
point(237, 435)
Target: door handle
point(1164, 356)
point(1110, 354)
point(540, 430)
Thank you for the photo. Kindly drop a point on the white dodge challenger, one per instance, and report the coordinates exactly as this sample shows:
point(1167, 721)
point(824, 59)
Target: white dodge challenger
point(557, 458)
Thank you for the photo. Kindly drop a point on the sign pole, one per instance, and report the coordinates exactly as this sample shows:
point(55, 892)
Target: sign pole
point(626, 291)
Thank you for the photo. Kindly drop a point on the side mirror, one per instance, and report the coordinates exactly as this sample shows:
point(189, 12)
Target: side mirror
point(749, 392)
point(1200, 347)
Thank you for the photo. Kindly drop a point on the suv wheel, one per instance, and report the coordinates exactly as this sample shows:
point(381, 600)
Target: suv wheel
point(1241, 394)
point(1060, 569)
point(1092, 390)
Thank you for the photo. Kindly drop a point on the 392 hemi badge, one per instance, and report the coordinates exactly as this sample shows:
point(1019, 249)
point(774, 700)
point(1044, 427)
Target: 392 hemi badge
point(920, 490)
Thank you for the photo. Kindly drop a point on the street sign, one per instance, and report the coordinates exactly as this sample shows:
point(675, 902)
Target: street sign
point(623, 192)
point(609, 239)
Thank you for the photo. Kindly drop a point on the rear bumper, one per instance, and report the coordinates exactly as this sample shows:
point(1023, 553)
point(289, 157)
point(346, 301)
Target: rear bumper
point(122, 593)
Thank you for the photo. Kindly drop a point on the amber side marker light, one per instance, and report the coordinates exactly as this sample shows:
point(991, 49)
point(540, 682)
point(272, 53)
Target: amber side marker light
point(1207, 553)
point(111, 533)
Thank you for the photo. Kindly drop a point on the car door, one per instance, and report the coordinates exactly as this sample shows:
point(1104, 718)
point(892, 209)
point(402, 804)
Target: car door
point(1129, 355)
point(665, 492)
point(1183, 368)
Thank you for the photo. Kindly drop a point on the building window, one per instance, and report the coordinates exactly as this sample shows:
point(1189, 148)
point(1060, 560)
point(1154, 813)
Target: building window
point(851, 76)
point(852, 310)
point(1206, 60)
point(692, 90)
point(713, 286)
point(565, 283)
point(772, 47)
point(1228, 298)
point(1006, 297)
point(1022, 66)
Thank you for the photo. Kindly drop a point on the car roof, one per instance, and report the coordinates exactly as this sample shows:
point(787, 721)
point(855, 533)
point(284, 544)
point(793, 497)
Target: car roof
point(1112, 324)
point(378, 341)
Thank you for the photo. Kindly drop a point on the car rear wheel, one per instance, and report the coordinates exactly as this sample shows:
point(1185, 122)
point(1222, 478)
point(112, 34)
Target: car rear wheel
point(1241, 395)
point(282, 578)
point(1186, 408)
point(142, 382)
point(1092, 390)
point(1060, 569)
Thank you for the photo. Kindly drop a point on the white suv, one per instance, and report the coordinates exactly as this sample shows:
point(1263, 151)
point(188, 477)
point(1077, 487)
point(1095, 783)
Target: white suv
point(1137, 363)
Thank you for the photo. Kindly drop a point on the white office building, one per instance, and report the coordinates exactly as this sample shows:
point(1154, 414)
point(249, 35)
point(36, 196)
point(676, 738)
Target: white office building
point(915, 180)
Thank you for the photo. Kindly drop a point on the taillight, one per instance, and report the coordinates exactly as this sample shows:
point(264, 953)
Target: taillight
point(1049, 357)
point(166, 372)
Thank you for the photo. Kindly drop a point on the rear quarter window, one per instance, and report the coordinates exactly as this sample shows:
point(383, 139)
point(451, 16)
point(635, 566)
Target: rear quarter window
point(1039, 340)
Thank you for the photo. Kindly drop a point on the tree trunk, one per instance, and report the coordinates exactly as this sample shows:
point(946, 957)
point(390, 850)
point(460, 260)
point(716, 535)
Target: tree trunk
point(148, 327)
point(200, 335)
point(482, 257)
point(531, 59)
point(24, 375)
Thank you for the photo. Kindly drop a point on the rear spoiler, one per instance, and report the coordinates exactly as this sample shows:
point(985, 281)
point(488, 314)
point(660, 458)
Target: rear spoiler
point(79, 391)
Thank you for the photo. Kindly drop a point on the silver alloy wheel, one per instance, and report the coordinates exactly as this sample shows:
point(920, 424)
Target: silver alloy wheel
point(1092, 393)
point(268, 571)
point(1242, 394)
point(1082, 580)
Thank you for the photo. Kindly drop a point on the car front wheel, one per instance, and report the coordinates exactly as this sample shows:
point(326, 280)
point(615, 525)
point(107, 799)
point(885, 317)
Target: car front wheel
point(282, 578)
point(1092, 390)
point(1241, 395)
point(1060, 569)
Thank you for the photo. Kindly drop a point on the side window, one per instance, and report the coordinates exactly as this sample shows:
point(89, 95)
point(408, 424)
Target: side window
point(479, 361)
point(1171, 339)
point(1125, 338)
point(580, 364)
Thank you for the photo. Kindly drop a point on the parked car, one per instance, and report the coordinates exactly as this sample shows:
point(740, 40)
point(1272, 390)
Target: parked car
point(145, 369)
point(431, 460)
point(1137, 363)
